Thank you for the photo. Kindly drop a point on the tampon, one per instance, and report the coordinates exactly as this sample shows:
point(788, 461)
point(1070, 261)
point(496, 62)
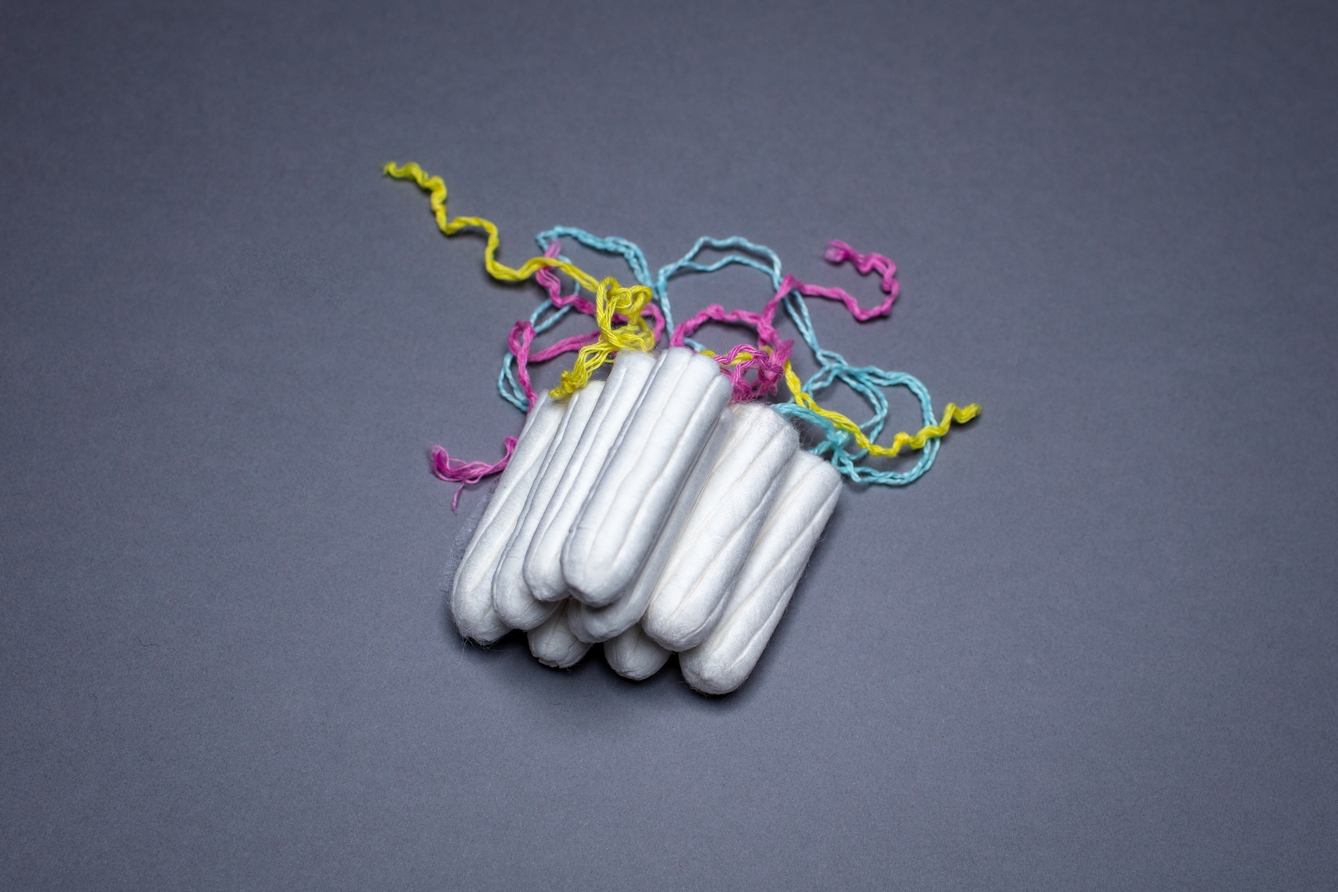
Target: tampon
point(725, 659)
point(633, 655)
point(724, 524)
point(471, 591)
point(622, 390)
point(602, 623)
point(511, 597)
point(553, 644)
point(640, 482)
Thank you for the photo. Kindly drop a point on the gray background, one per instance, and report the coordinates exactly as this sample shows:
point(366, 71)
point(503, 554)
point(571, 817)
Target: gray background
point(1095, 648)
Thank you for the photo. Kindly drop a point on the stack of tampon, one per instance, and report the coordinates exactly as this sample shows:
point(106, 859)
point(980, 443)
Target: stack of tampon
point(649, 513)
point(665, 509)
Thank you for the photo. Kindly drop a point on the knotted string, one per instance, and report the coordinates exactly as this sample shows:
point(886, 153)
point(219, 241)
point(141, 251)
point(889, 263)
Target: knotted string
point(622, 315)
point(612, 301)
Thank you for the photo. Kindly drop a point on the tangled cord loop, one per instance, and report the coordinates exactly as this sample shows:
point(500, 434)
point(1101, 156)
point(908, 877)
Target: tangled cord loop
point(636, 317)
point(611, 299)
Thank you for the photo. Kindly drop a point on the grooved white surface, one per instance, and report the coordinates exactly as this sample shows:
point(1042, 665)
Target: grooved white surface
point(552, 642)
point(634, 655)
point(720, 532)
point(724, 660)
point(602, 623)
point(511, 597)
point(471, 590)
point(622, 391)
point(640, 482)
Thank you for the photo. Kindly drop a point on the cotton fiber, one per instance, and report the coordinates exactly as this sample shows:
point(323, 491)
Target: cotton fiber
point(511, 596)
point(553, 644)
point(719, 534)
point(633, 655)
point(602, 623)
point(621, 393)
point(807, 498)
point(471, 591)
point(656, 450)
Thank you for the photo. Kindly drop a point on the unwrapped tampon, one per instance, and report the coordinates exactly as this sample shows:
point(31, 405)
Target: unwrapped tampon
point(602, 623)
point(701, 571)
point(725, 659)
point(511, 596)
point(622, 391)
point(553, 644)
point(639, 484)
point(633, 655)
point(471, 590)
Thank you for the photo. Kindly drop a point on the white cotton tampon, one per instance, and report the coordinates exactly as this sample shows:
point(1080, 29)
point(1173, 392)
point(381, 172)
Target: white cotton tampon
point(691, 592)
point(511, 597)
point(602, 623)
point(622, 390)
point(633, 655)
point(639, 484)
point(471, 592)
point(725, 659)
point(553, 644)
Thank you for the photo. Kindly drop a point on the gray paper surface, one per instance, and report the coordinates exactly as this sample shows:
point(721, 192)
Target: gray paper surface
point(1096, 647)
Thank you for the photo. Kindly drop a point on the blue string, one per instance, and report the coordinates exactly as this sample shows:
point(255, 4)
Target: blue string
point(868, 381)
point(507, 382)
point(688, 264)
point(636, 261)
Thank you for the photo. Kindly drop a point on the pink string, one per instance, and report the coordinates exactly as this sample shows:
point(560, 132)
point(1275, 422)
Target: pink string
point(522, 336)
point(839, 252)
point(465, 472)
point(770, 352)
point(766, 362)
point(520, 342)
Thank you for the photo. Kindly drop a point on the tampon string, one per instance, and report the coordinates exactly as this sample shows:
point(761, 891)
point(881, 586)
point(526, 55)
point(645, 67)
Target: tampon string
point(636, 317)
point(612, 300)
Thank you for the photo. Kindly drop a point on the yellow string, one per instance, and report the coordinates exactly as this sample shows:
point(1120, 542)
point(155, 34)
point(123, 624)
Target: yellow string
point(610, 297)
point(930, 432)
point(741, 357)
point(637, 334)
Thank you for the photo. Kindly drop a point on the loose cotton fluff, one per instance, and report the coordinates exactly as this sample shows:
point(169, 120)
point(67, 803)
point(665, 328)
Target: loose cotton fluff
point(647, 513)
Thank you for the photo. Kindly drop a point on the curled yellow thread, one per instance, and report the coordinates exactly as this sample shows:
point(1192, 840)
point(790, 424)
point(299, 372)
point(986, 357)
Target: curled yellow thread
point(951, 413)
point(740, 357)
point(610, 297)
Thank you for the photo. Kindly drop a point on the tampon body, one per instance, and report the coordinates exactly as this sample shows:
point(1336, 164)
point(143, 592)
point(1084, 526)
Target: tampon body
point(622, 390)
point(511, 597)
point(691, 592)
point(633, 655)
point(471, 592)
point(553, 644)
point(724, 660)
point(655, 452)
point(602, 623)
